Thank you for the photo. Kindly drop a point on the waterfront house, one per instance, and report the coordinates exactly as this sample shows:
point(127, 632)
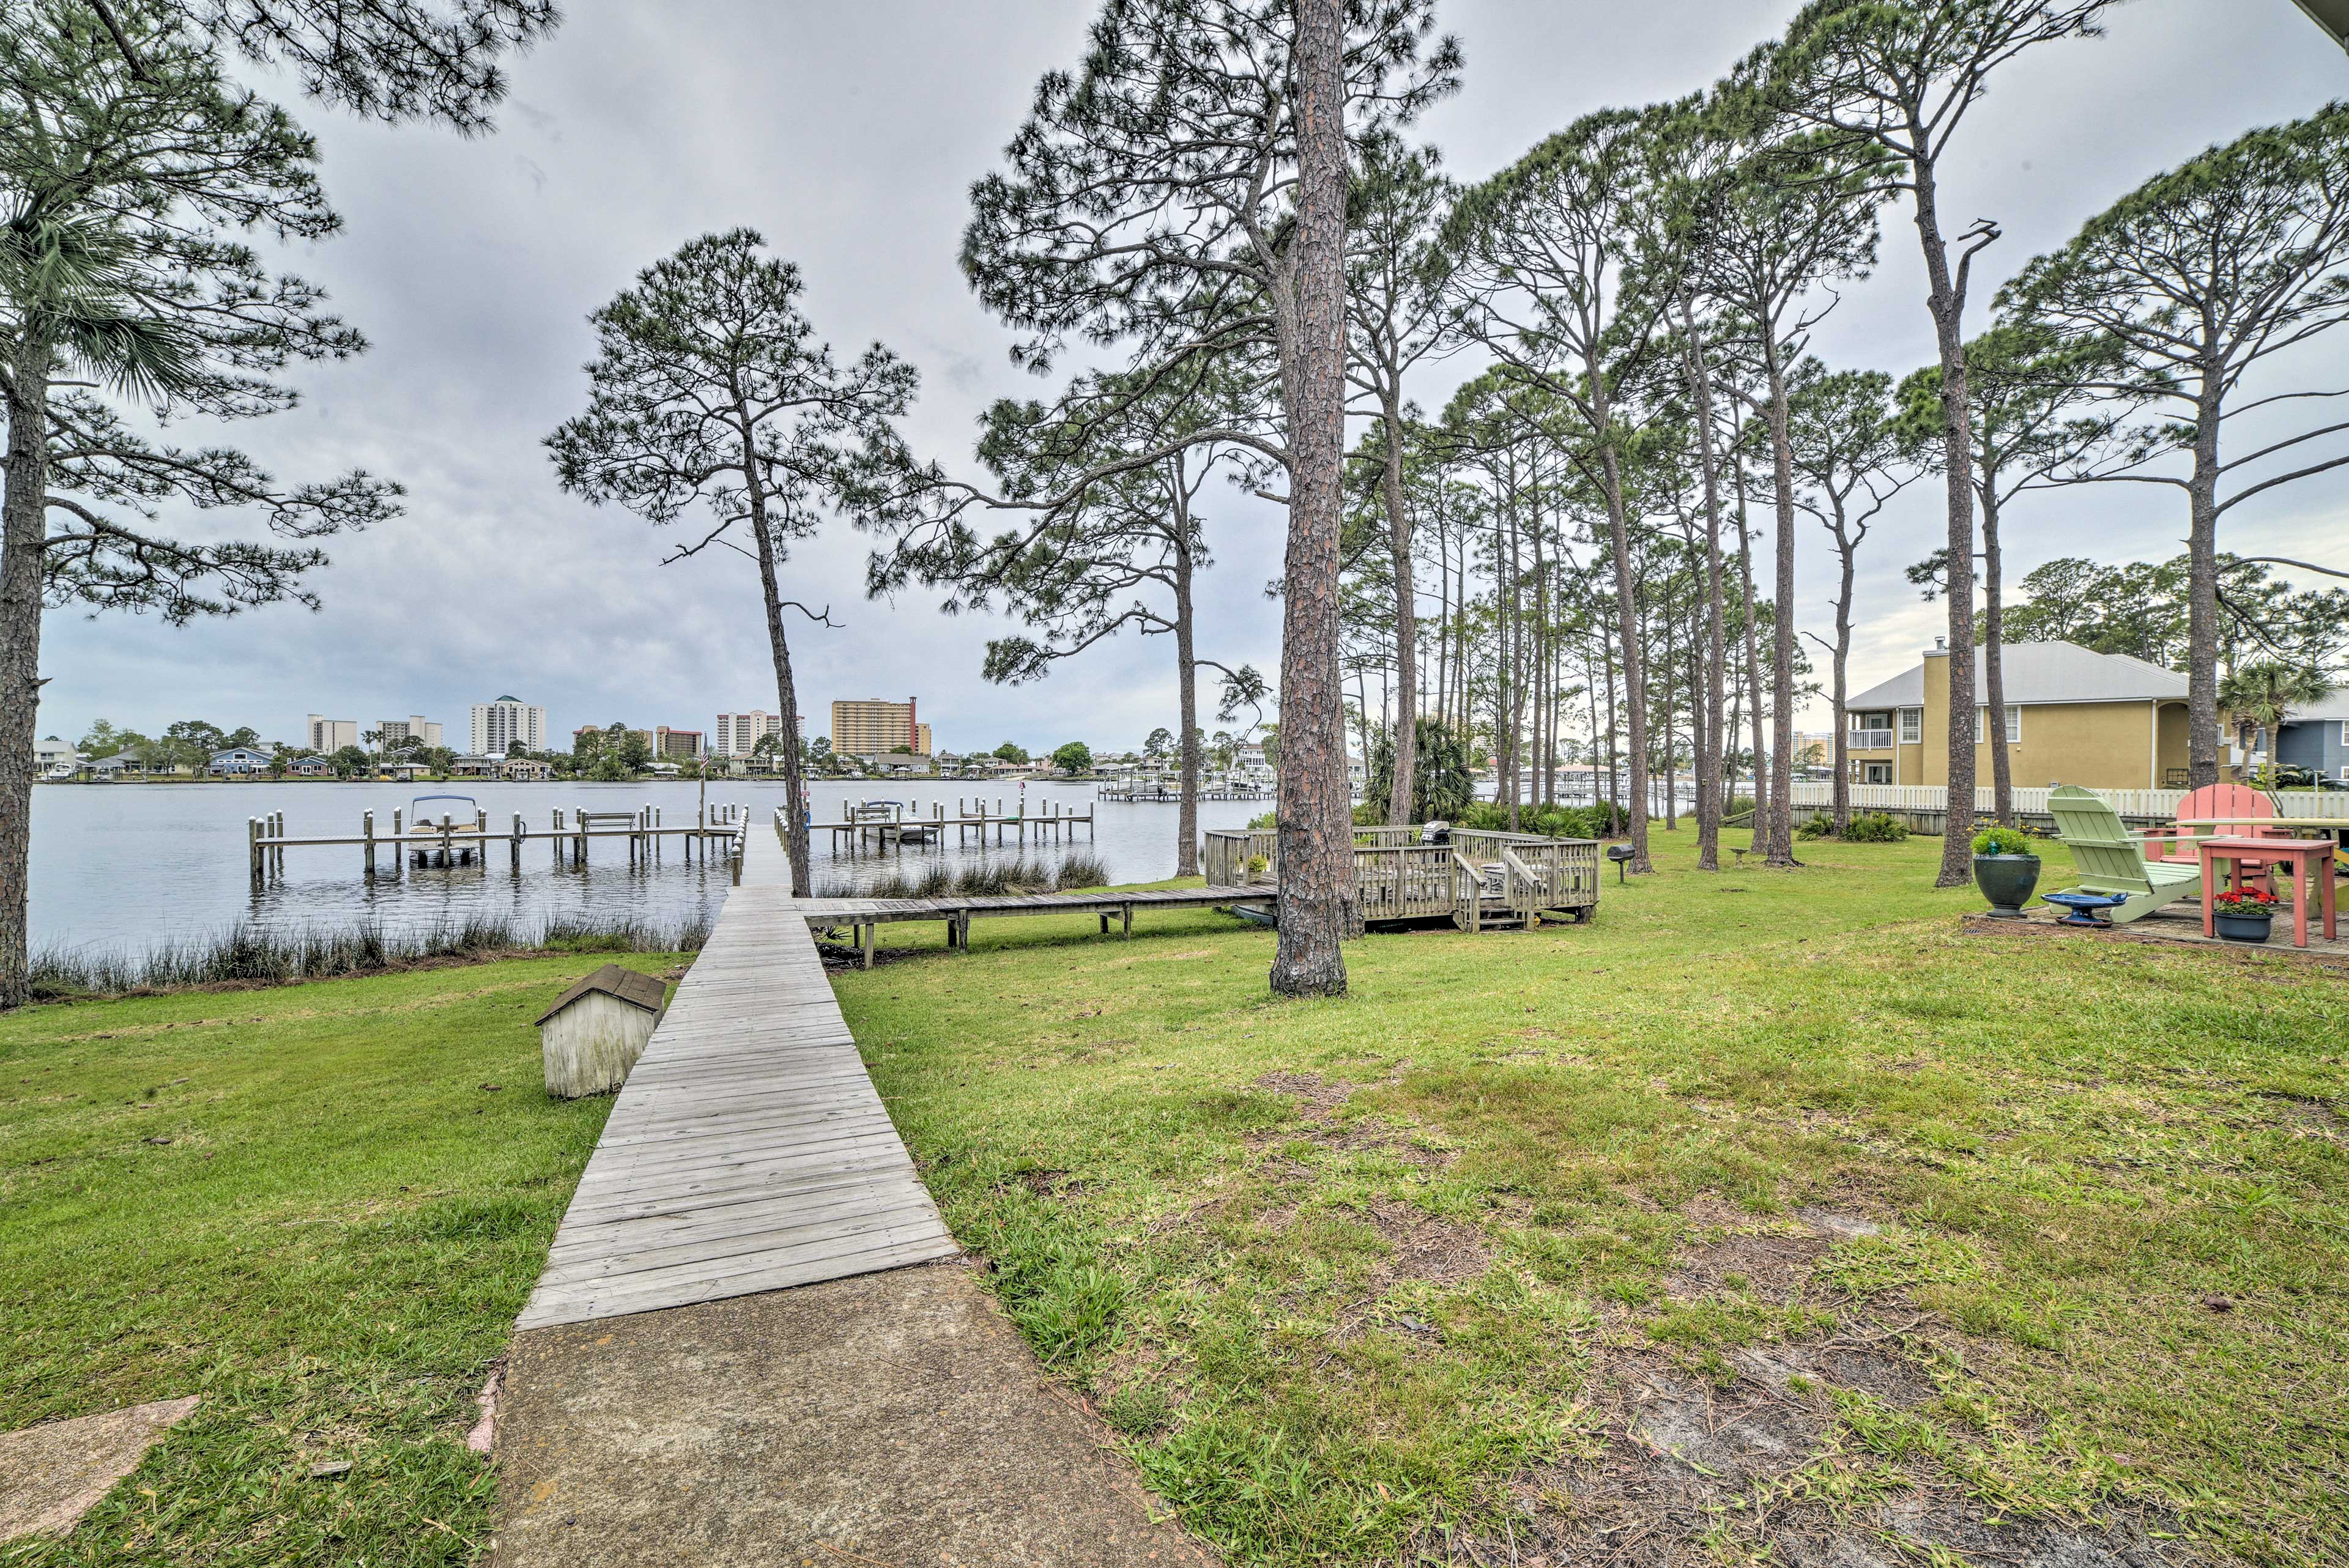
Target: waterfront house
point(528, 770)
point(121, 764)
point(2317, 737)
point(475, 765)
point(2073, 717)
point(237, 761)
point(312, 766)
point(53, 758)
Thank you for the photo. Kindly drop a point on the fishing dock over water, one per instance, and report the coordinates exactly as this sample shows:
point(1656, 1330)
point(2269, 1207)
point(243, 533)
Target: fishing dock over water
point(895, 824)
point(452, 841)
point(1152, 788)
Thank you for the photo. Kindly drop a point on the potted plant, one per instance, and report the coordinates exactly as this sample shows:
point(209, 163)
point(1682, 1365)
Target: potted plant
point(2005, 871)
point(2243, 913)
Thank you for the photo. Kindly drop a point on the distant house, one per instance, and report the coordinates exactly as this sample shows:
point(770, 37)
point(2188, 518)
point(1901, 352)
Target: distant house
point(53, 758)
point(121, 764)
point(528, 770)
point(2317, 737)
point(405, 770)
point(476, 765)
point(237, 761)
point(2073, 717)
point(312, 767)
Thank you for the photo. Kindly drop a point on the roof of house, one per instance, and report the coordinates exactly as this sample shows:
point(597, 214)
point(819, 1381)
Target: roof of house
point(644, 991)
point(2333, 705)
point(2043, 672)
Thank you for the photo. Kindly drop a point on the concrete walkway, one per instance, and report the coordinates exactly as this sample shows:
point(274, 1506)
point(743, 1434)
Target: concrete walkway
point(893, 1418)
point(666, 1402)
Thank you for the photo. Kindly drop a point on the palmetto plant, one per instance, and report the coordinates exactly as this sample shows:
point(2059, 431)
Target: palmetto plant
point(2262, 695)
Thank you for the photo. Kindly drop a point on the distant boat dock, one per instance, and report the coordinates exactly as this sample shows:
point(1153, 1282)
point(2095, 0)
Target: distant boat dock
point(1150, 787)
point(897, 824)
point(448, 839)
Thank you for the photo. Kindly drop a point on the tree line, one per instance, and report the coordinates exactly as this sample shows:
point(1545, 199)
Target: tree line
point(1220, 211)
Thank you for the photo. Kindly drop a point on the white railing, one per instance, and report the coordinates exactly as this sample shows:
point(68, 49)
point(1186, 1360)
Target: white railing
point(2157, 803)
point(1868, 739)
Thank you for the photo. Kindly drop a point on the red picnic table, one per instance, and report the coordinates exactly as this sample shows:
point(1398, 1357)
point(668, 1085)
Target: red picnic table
point(2311, 861)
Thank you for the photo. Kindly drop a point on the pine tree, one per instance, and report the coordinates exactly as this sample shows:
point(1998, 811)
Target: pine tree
point(131, 169)
point(709, 390)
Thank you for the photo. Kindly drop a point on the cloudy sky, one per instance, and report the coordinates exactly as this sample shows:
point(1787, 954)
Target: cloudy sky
point(849, 134)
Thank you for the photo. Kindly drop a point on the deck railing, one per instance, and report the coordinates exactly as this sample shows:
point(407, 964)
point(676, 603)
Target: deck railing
point(1474, 878)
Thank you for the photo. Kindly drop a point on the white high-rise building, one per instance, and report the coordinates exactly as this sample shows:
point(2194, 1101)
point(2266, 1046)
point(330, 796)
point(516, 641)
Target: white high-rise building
point(739, 734)
point(507, 724)
point(331, 734)
point(415, 725)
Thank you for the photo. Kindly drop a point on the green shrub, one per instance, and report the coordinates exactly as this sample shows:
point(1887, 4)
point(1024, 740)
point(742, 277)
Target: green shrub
point(1598, 821)
point(2001, 841)
point(1265, 819)
point(1868, 828)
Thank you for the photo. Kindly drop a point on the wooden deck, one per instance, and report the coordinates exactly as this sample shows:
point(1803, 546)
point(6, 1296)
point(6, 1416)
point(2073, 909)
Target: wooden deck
point(749, 1150)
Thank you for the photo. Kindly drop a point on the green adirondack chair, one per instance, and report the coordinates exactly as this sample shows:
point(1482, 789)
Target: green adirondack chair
point(2112, 860)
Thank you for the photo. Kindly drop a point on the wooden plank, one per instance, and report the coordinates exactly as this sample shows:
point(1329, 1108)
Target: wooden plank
point(749, 1150)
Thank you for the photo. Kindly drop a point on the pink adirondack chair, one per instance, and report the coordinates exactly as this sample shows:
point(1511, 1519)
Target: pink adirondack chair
point(2220, 800)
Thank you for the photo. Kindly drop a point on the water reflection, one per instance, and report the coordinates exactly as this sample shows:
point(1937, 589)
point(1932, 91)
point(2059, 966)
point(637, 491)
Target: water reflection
point(127, 866)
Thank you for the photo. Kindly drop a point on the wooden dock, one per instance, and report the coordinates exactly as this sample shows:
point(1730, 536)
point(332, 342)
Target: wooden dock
point(749, 1150)
point(906, 826)
point(450, 841)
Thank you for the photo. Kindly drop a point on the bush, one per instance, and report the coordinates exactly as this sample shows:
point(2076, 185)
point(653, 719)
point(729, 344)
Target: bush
point(1868, 828)
point(1265, 819)
point(2001, 841)
point(1441, 784)
point(1599, 822)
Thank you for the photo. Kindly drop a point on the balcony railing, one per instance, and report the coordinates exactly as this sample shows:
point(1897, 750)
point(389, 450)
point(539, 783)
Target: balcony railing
point(1868, 739)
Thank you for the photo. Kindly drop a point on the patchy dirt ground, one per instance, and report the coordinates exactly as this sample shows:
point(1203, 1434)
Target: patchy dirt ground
point(1801, 1448)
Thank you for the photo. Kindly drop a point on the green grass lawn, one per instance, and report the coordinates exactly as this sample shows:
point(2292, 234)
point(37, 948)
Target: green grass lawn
point(319, 1207)
point(1769, 1209)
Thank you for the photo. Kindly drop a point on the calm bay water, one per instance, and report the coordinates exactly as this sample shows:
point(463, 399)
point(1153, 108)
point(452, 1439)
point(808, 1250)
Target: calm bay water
point(123, 867)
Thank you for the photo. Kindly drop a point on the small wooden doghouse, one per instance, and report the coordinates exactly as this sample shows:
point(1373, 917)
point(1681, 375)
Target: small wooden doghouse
point(597, 1030)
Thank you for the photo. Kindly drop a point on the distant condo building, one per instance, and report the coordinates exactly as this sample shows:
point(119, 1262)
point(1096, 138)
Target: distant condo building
point(330, 735)
point(506, 725)
point(739, 734)
point(873, 728)
point(675, 744)
point(415, 727)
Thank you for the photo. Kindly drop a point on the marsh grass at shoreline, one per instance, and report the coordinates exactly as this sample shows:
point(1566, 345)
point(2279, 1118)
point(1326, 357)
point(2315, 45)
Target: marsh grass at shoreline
point(251, 955)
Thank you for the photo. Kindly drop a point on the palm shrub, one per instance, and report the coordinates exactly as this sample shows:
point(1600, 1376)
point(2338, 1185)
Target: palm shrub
point(1441, 785)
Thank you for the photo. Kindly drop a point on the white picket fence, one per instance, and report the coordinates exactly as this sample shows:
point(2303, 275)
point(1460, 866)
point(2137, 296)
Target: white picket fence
point(2156, 804)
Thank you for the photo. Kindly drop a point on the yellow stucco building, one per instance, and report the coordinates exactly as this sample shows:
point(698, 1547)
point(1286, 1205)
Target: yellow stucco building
point(2073, 717)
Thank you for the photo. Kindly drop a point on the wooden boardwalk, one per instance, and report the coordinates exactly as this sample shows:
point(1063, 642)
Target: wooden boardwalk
point(749, 1150)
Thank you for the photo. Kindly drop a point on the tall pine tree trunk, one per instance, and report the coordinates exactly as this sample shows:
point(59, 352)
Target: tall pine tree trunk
point(1635, 697)
point(1957, 462)
point(2001, 772)
point(1841, 738)
point(1186, 815)
point(1709, 807)
point(1316, 834)
point(2202, 596)
point(24, 511)
point(1406, 638)
point(1753, 659)
point(1781, 850)
point(787, 707)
